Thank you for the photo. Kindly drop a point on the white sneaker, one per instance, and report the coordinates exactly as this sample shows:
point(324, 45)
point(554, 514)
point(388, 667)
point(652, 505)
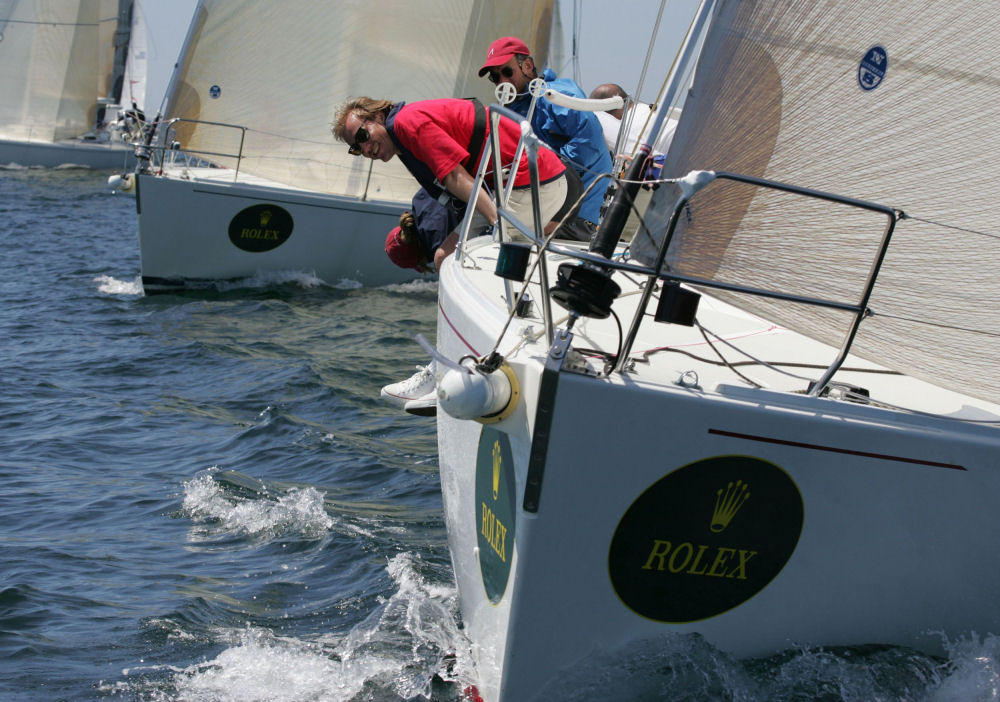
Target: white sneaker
point(416, 386)
point(426, 406)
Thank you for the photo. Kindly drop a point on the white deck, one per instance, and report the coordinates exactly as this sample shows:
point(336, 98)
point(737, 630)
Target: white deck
point(755, 337)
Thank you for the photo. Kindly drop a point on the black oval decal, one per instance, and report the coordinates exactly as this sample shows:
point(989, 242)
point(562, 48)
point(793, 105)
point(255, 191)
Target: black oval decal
point(705, 538)
point(260, 228)
point(495, 510)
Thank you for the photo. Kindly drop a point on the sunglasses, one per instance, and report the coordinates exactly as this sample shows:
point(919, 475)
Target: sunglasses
point(506, 72)
point(360, 137)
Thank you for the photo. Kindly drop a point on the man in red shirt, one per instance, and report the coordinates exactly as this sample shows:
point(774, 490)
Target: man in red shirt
point(441, 143)
point(433, 139)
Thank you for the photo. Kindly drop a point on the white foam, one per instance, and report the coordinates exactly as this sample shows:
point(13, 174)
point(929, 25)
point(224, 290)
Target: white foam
point(266, 279)
point(113, 286)
point(420, 285)
point(398, 647)
point(264, 667)
point(347, 284)
point(300, 510)
point(973, 671)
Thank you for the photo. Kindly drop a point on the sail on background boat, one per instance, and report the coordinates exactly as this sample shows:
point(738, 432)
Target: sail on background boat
point(281, 70)
point(60, 88)
point(898, 104)
point(126, 68)
point(257, 87)
point(53, 96)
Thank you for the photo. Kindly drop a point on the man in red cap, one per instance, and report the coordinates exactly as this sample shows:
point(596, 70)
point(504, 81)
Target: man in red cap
point(576, 136)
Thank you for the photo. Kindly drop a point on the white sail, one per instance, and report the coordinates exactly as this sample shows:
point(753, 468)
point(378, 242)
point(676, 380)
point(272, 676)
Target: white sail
point(244, 65)
point(134, 78)
point(54, 47)
point(122, 42)
point(887, 102)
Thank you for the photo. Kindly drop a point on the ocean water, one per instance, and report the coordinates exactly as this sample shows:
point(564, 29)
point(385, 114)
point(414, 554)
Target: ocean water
point(204, 499)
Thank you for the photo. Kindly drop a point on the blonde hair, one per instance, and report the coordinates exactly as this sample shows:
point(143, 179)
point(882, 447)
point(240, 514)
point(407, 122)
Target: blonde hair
point(363, 107)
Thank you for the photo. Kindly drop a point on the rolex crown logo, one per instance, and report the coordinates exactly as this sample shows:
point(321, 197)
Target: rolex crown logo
point(727, 503)
point(496, 470)
point(265, 217)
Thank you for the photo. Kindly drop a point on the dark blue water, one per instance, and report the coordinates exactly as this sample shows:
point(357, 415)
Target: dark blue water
point(204, 499)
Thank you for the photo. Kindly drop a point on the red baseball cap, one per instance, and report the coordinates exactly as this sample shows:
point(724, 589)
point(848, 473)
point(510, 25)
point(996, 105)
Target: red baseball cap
point(501, 51)
point(402, 254)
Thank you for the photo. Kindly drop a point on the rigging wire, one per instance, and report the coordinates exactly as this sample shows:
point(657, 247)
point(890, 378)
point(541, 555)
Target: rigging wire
point(953, 227)
point(724, 360)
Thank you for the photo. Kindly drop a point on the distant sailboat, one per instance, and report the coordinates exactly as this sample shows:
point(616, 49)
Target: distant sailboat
point(257, 86)
point(71, 69)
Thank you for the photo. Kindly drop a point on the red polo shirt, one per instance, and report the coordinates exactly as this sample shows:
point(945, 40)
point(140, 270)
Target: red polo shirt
point(438, 132)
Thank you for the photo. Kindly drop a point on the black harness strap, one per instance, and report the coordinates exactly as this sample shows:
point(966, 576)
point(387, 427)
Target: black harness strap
point(476, 142)
point(478, 135)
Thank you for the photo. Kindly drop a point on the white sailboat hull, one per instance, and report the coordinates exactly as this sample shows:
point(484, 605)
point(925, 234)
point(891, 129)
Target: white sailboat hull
point(840, 523)
point(193, 232)
point(76, 152)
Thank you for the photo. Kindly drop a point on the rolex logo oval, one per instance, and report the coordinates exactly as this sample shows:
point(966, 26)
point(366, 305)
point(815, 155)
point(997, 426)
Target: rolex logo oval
point(260, 228)
point(705, 538)
point(495, 511)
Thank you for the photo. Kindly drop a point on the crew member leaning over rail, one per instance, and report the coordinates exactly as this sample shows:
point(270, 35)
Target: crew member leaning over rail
point(438, 142)
point(441, 142)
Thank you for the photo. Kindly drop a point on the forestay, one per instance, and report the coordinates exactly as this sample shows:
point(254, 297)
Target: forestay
point(892, 102)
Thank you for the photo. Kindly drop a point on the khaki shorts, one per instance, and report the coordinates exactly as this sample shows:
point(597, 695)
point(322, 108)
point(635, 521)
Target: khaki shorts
point(551, 196)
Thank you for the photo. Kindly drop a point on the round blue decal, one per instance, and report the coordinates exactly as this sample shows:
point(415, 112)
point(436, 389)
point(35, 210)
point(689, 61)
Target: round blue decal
point(215, 91)
point(872, 68)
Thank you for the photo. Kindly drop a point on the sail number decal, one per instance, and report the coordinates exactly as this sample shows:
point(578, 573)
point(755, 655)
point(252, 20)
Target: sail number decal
point(705, 538)
point(495, 510)
point(872, 68)
point(260, 228)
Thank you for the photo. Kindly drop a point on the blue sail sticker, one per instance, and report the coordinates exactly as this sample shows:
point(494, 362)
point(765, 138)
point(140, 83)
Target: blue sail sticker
point(872, 68)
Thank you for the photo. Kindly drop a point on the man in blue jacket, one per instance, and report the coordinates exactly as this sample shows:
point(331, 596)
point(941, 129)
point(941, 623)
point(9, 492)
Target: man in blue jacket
point(576, 136)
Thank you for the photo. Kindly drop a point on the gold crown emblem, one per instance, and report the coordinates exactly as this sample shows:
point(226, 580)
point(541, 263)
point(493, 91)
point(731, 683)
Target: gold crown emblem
point(265, 217)
point(728, 503)
point(496, 470)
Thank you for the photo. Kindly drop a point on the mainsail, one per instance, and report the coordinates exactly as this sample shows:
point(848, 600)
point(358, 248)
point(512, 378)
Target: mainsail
point(49, 88)
point(123, 29)
point(281, 70)
point(59, 57)
point(895, 103)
